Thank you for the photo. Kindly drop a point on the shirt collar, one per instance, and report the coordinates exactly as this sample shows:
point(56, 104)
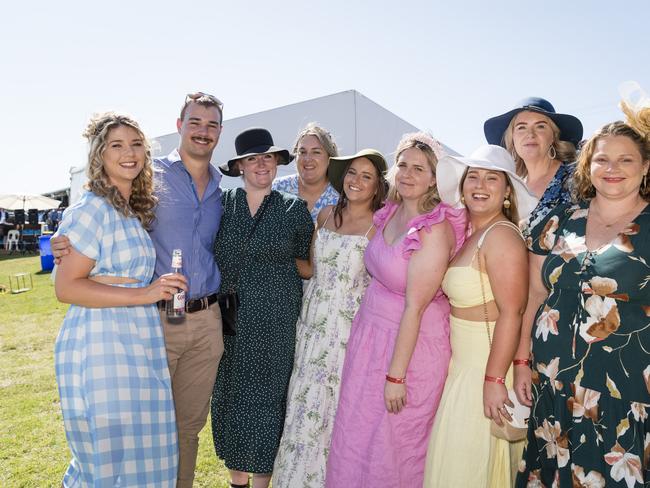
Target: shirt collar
point(174, 157)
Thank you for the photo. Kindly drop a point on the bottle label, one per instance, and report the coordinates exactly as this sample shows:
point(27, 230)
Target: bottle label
point(179, 301)
point(177, 262)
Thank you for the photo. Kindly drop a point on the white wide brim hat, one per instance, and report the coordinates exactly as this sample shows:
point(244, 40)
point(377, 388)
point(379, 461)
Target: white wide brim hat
point(450, 170)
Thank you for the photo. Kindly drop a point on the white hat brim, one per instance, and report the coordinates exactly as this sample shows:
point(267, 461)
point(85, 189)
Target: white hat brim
point(450, 170)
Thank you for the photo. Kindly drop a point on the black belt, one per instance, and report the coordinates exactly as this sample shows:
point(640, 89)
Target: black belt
point(196, 304)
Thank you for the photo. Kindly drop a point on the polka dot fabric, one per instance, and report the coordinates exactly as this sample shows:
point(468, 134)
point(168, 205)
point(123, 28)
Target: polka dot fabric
point(249, 398)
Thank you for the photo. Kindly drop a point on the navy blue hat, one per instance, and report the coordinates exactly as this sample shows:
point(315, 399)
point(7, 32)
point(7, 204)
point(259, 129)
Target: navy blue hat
point(570, 127)
point(251, 142)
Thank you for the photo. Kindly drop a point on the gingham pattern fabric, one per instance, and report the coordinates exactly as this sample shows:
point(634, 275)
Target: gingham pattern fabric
point(111, 364)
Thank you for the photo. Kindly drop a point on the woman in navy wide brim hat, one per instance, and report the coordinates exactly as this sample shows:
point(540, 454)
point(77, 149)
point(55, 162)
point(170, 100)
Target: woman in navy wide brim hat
point(543, 144)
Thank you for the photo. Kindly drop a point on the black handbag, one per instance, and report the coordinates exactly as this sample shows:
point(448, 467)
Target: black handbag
point(229, 302)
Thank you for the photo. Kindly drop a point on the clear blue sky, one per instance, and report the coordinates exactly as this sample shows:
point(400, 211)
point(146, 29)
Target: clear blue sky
point(442, 66)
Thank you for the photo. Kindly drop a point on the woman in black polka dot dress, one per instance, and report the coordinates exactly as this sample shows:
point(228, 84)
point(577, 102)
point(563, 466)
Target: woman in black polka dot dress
point(248, 403)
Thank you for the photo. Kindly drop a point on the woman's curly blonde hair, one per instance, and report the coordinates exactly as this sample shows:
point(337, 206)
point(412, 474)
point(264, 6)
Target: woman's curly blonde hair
point(421, 141)
point(583, 189)
point(142, 202)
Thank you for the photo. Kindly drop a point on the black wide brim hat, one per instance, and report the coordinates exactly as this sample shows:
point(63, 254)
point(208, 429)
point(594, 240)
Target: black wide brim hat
point(338, 165)
point(570, 126)
point(252, 142)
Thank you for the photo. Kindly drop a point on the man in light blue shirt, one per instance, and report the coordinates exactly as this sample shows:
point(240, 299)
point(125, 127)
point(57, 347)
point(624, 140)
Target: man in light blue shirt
point(187, 217)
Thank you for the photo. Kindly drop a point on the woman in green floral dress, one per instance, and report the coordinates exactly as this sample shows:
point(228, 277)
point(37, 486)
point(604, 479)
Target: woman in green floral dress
point(590, 382)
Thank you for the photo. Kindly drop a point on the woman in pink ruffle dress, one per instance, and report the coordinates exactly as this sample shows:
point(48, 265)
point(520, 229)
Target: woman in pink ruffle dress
point(398, 351)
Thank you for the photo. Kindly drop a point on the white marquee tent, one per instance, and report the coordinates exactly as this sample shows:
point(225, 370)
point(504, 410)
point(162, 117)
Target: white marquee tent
point(355, 121)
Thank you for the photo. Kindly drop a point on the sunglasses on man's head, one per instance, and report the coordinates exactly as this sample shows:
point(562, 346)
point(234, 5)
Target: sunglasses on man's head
point(195, 96)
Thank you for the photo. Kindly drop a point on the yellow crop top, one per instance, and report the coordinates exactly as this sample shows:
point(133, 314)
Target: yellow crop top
point(463, 287)
point(462, 284)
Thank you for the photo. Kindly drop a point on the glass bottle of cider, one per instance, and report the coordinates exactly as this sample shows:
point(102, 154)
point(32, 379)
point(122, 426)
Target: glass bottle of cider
point(176, 306)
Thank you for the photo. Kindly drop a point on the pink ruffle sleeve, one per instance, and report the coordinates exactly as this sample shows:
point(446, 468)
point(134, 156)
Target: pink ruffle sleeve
point(457, 217)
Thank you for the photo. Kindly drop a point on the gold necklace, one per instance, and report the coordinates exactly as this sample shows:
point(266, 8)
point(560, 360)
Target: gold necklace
point(622, 219)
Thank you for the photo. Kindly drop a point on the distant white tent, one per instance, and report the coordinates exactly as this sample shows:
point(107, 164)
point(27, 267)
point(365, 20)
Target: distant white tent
point(355, 121)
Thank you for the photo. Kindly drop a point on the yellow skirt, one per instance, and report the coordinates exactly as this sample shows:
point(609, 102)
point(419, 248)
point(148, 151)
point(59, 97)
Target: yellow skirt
point(461, 452)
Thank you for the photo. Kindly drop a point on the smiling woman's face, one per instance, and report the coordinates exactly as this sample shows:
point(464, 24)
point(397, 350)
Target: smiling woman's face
point(532, 135)
point(414, 176)
point(617, 167)
point(312, 160)
point(123, 157)
point(360, 180)
point(484, 191)
point(259, 170)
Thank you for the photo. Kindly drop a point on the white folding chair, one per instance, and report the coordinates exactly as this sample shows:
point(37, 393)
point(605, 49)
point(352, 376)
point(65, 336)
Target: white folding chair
point(13, 238)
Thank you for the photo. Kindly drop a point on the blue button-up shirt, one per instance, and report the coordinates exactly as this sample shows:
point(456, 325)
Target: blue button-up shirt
point(185, 222)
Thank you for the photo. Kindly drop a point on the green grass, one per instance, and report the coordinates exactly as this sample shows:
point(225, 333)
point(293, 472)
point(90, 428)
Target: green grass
point(33, 449)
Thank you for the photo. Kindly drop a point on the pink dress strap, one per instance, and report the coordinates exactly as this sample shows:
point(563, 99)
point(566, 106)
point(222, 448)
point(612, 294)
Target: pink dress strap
point(382, 215)
point(457, 217)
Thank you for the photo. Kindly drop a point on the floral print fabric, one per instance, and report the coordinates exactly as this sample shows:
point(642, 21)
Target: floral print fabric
point(589, 422)
point(557, 193)
point(289, 184)
point(331, 300)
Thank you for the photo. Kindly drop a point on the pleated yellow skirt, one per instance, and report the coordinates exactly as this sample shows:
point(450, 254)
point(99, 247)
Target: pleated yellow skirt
point(462, 452)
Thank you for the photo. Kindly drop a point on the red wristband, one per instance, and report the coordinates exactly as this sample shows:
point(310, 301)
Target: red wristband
point(518, 362)
point(399, 381)
point(495, 379)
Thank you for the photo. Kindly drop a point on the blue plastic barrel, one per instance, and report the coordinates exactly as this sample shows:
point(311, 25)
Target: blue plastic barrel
point(47, 259)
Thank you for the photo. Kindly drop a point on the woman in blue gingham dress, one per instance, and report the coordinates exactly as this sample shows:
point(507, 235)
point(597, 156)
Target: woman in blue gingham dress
point(111, 365)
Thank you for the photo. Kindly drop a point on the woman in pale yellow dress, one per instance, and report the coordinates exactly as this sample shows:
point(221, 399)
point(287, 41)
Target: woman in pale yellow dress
point(491, 267)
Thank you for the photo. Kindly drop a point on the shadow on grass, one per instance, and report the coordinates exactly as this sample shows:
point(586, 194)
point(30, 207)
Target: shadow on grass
point(5, 256)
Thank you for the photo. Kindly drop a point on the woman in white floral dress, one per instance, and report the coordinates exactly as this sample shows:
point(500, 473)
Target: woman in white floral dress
point(329, 305)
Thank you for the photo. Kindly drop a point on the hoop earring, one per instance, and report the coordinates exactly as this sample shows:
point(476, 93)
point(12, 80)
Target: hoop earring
point(506, 203)
point(552, 153)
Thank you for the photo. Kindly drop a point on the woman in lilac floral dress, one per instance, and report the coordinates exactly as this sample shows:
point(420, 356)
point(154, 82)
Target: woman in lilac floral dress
point(590, 387)
point(331, 299)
